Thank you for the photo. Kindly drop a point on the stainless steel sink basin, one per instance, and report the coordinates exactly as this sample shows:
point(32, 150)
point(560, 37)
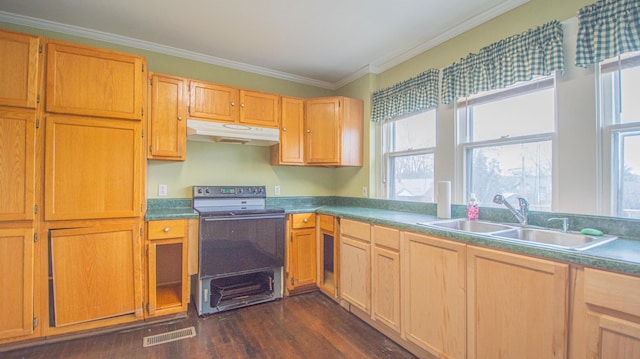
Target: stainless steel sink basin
point(555, 239)
point(467, 226)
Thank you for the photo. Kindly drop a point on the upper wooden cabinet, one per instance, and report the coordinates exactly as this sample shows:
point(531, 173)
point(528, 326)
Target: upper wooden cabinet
point(19, 69)
point(17, 164)
point(259, 108)
point(213, 102)
point(167, 123)
point(333, 131)
point(290, 150)
point(209, 101)
point(93, 168)
point(89, 81)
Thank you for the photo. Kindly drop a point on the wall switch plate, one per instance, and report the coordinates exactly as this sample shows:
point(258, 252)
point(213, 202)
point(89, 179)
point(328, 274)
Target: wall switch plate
point(365, 191)
point(162, 190)
point(276, 190)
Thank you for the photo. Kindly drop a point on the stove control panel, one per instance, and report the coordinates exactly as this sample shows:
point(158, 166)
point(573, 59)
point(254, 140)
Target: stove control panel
point(229, 192)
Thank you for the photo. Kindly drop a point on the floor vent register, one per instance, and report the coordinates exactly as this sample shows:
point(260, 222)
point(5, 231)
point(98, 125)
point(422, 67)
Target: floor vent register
point(169, 337)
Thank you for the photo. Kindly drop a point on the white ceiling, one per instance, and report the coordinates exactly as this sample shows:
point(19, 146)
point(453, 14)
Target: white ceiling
point(325, 43)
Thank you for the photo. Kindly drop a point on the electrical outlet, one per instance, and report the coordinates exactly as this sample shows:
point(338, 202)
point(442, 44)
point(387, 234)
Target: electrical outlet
point(162, 190)
point(365, 192)
point(276, 190)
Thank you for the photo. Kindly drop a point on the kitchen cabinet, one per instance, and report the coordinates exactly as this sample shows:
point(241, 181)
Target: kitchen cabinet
point(433, 294)
point(355, 264)
point(93, 168)
point(606, 315)
point(20, 61)
point(259, 109)
point(301, 252)
point(17, 282)
point(517, 306)
point(95, 272)
point(89, 81)
point(328, 254)
point(167, 259)
point(385, 276)
point(333, 131)
point(167, 125)
point(209, 101)
point(17, 164)
point(290, 150)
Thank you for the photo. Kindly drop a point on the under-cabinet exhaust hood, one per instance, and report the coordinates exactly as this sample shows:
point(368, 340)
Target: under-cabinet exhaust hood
point(208, 131)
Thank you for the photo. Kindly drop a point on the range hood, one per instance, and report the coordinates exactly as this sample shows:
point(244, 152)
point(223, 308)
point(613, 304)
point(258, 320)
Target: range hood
point(207, 131)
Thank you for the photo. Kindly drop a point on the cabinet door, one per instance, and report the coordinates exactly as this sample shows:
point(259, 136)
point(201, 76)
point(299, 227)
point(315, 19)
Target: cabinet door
point(89, 81)
point(259, 108)
point(385, 298)
point(213, 102)
point(303, 258)
point(16, 281)
point(167, 276)
point(19, 69)
point(95, 273)
point(168, 120)
point(290, 150)
point(92, 168)
point(516, 306)
point(323, 131)
point(17, 165)
point(433, 291)
point(355, 272)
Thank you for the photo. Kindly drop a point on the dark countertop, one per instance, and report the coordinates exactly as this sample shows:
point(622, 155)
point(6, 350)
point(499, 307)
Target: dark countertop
point(621, 255)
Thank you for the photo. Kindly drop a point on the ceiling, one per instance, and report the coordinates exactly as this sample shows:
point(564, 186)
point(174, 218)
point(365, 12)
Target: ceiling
point(325, 43)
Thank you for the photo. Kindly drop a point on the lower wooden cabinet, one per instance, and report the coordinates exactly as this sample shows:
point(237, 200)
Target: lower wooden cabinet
point(517, 306)
point(17, 282)
point(434, 294)
point(355, 264)
point(385, 276)
point(301, 252)
point(167, 263)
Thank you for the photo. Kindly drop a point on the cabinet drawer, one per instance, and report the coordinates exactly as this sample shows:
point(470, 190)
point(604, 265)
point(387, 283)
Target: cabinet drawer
point(303, 220)
point(327, 222)
point(355, 229)
point(612, 290)
point(173, 228)
point(386, 237)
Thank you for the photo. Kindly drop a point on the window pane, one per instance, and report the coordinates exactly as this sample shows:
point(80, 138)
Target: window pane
point(525, 114)
point(519, 170)
point(629, 191)
point(418, 131)
point(411, 177)
point(630, 95)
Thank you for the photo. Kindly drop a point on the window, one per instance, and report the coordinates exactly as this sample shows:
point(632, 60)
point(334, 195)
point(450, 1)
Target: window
point(506, 140)
point(620, 91)
point(409, 144)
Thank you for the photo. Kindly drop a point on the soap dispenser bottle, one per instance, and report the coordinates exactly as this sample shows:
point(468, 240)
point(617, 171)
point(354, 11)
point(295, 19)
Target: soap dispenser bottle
point(472, 208)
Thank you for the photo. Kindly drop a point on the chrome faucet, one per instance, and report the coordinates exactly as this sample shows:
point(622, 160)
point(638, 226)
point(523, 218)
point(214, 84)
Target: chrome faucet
point(522, 215)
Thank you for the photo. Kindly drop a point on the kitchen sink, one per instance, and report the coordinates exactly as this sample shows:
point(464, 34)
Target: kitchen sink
point(467, 226)
point(568, 240)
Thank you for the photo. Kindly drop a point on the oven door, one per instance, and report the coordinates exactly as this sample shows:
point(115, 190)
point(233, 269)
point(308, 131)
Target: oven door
point(236, 244)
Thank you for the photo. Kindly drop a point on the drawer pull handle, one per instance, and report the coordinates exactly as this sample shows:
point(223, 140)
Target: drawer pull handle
point(305, 220)
point(166, 229)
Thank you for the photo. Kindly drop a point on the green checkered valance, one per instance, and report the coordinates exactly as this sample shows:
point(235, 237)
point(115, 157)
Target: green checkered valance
point(607, 29)
point(536, 52)
point(412, 95)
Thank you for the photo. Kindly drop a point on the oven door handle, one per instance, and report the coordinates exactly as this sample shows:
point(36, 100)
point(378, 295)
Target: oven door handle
point(236, 218)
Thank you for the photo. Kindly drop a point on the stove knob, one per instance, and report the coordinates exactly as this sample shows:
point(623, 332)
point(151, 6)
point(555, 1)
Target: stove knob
point(207, 190)
point(199, 190)
point(239, 190)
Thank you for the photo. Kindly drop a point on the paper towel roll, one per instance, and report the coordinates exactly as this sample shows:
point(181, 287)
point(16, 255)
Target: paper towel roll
point(444, 199)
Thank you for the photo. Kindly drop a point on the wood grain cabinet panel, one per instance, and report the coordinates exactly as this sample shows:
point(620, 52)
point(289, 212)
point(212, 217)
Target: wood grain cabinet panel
point(19, 69)
point(517, 306)
point(290, 150)
point(355, 264)
point(385, 276)
point(17, 164)
point(92, 168)
point(16, 281)
point(89, 81)
point(209, 101)
point(167, 125)
point(301, 252)
point(259, 109)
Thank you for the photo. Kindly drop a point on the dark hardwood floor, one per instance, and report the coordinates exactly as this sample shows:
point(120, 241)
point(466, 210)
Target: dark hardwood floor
point(303, 326)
